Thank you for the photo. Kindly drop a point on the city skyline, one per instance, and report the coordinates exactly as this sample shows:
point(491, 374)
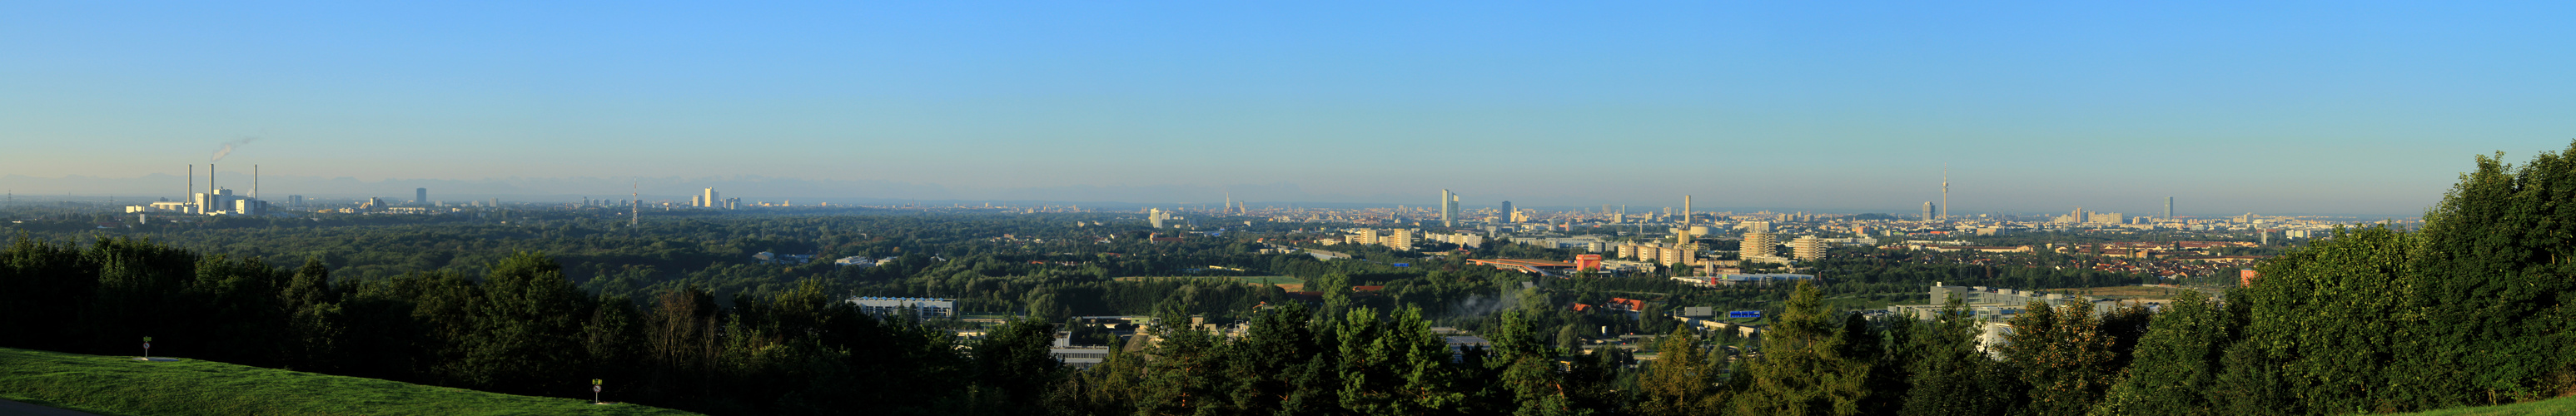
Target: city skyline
point(2349, 108)
point(688, 192)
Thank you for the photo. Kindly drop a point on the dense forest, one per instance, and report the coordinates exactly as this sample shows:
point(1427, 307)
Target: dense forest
point(2473, 308)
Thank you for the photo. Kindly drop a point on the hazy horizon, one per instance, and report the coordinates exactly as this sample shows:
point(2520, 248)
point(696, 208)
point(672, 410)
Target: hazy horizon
point(2340, 108)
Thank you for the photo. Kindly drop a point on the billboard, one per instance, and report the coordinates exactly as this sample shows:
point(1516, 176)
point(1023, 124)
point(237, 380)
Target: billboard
point(1744, 314)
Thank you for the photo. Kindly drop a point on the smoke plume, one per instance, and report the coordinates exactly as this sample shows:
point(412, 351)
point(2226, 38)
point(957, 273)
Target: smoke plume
point(1481, 305)
point(227, 150)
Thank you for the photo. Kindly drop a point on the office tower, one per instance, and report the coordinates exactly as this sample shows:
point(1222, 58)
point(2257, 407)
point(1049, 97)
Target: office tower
point(420, 196)
point(709, 198)
point(1927, 210)
point(2078, 215)
point(1510, 216)
point(2168, 208)
point(1448, 209)
point(1154, 216)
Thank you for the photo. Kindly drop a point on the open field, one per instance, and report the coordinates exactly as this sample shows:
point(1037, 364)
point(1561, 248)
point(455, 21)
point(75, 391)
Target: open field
point(1285, 283)
point(1283, 280)
point(2125, 292)
point(2558, 406)
point(122, 386)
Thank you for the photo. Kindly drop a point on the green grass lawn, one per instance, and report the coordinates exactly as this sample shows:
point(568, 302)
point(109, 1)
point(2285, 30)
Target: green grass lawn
point(1270, 280)
point(2558, 406)
point(122, 386)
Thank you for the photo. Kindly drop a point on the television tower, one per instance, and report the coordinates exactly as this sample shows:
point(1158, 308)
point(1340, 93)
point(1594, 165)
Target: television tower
point(1945, 193)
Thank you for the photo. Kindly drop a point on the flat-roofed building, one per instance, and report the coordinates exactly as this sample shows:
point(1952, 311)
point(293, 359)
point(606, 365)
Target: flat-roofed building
point(898, 306)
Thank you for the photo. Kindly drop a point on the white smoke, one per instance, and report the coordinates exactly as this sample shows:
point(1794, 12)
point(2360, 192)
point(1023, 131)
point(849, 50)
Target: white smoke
point(1480, 305)
point(227, 148)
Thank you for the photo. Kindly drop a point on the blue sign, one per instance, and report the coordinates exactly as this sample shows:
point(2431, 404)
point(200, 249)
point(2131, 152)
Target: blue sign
point(1744, 314)
point(1404, 265)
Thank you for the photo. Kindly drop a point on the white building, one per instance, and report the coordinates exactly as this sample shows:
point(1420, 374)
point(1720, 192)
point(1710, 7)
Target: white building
point(919, 307)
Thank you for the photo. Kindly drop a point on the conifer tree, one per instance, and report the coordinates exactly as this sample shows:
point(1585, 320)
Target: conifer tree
point(1803, 369)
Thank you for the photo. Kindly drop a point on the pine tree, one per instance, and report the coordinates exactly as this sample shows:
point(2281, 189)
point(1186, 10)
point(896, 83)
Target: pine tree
point(1950, 376)
point(1803, 369)
point(1683, 380)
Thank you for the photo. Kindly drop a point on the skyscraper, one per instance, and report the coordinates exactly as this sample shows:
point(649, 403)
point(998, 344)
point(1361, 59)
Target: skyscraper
point(420, 195)
point(2168, 208)
point(1448, 209)
point(710, 198)
point(1507, 212)
point(1927, 210)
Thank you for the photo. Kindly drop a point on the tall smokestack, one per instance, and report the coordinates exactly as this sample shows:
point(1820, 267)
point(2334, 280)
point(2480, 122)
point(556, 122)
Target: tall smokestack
point(254, 181)
point(192, 189)
point(1686, 209)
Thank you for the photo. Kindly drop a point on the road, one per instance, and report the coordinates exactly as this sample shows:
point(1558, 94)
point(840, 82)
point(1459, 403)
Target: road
point(11, 408)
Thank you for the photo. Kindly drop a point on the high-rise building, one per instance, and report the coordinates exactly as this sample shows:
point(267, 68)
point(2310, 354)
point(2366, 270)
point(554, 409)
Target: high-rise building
point(1510, 216)
point(1154, 216)
point(1758, 244)
point(420, 195)
point(1400, 239)
point(1448, 209)
point(2168, 208)
point(1807, 247)
point(1927, 210)
point(1686, 209)
point(709, 198)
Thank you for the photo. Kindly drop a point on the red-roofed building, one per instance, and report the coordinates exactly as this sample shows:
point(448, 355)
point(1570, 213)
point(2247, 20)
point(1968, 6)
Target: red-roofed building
point(1587, 262)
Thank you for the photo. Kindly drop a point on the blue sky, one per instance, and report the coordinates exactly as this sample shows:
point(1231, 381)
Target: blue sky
point(2318, 107)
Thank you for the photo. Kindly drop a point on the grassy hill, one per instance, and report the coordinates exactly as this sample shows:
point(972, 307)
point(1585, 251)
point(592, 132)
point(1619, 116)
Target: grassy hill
point(123, 386)
point(2558, 406)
